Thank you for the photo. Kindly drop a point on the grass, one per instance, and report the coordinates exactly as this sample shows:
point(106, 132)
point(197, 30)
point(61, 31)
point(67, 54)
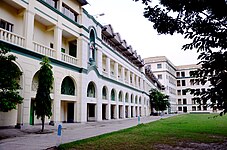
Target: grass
point(182, 128)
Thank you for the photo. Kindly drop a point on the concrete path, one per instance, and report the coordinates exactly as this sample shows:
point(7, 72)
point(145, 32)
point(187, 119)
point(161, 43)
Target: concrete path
point(71, 132)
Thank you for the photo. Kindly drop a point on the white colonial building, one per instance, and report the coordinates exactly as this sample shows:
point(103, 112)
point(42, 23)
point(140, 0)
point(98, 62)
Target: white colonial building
point(97, 75)
point(176, 80)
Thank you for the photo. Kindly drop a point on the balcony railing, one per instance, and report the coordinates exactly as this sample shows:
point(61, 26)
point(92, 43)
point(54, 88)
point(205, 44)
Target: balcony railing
point(39, 48)
point(11, 37)
point(69, 59)
point(105, 73)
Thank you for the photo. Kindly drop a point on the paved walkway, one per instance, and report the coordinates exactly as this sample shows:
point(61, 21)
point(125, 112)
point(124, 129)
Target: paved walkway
point(71, 132)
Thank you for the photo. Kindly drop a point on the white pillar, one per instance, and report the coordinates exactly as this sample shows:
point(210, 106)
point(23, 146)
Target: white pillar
point(99, 60)
point(123, 74)
point(108, 66)
point(58, 41)
point(116, 69)
point(29, 29)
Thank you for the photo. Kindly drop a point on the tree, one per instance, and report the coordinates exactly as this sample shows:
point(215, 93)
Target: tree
point(42, 104)
point(9, 80)
point(204, 23)
point(158, 100)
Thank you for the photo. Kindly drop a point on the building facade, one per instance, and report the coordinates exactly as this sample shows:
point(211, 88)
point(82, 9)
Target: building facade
point(97, 75)
point(176, 80)
point(165, 72)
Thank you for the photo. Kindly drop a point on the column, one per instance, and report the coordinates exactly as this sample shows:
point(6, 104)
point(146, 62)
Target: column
point(137, 81)
point(116, 69)
point(99, 104)
point(123, 74)
point(99, 60)
point(58, 41)
point(128, 76)
point(108, 66)
point(133, 79)
point(57, 100)
point(29, 29)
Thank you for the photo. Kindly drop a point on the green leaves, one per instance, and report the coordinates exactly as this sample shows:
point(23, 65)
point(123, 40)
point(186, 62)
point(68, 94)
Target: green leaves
point(158, 100)
point(9, 81)
point(204, 23)
point(43, 100)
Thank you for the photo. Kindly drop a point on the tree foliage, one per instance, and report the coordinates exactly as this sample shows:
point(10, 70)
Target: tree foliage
point(9, 80)
point(158, 100)
point(204, 23)
point(43, 100)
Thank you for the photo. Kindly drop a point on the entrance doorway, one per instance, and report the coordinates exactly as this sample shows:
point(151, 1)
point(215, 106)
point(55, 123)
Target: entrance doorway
point(70, 112)
point(120, 111)
point(131, 111)
point(91, 112)
point(126, 111)
point(185, 109)
point(113, 111)
point(104, 111)
point(32, 112)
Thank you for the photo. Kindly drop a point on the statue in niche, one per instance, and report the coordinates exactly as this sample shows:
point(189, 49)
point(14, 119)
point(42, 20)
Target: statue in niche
point(92, 51)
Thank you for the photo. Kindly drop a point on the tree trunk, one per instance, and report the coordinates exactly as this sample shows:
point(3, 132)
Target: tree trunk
point(43, 119)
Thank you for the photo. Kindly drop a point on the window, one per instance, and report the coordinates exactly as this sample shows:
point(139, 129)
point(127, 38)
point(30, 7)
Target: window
point(184, 101)
point(6, 25)
point(193, 101)
point(179, 102)
point(182, 74)
point(204, 107)
point(193, 108)
point(184, 92)
point(183, 83)
point(178, 92)
point(52, 3)
point(62, 50)
point(159, 76)
point(104, 93)
point(178, 74)
point(178, 82)
point(191, 81)
point(69, 12)
point(159, 66)
point(198, 107)
point(51, 45)
point(91, 90)
point(73, 48)
point(179, 108)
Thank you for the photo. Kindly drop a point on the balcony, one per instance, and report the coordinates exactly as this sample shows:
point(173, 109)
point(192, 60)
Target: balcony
point(105, 73)
point(12, 38)
point(39, 48)
point(69, 59)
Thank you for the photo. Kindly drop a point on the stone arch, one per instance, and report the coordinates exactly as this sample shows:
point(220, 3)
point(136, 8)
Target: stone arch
point(91, 90)
point(113, 95)
point(132, 98)
point(105, 93)
point(126, 97)
point(120, 96)
point(68, 86)
point(136, 99)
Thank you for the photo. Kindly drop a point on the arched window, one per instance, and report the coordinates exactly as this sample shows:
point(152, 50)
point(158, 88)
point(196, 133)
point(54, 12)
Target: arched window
point(126, 97)
point(140, 100)
point(120, 96)
point(104, 92)
point(136, 100)
point(91, 90)
point(112, 95)
point(67, 86)
point(132, 98)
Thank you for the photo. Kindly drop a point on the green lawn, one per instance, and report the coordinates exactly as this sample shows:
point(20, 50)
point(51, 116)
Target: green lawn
point(199, 128)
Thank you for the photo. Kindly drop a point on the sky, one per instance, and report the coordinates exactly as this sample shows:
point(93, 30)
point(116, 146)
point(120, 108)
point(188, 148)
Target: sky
point(126, 17)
